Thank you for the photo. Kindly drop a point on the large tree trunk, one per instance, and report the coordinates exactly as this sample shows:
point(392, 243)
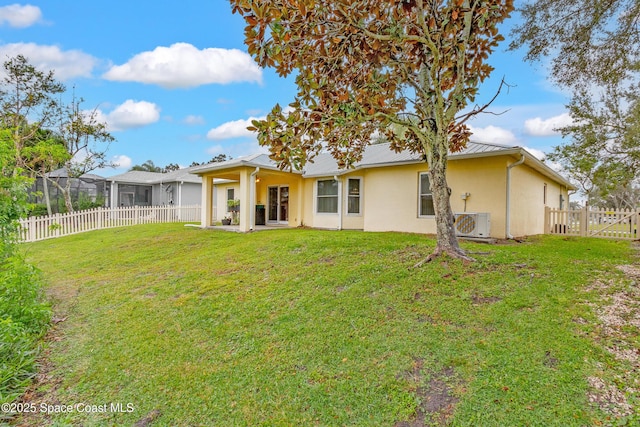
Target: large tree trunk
point(447, 243)
point(67, 194)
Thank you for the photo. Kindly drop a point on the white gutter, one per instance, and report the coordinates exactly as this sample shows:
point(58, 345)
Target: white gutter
point(339, 202)
point(508, 198)
point(252, 199)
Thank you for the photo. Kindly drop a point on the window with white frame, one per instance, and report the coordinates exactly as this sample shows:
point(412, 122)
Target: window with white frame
point(353, 195)
point(426, 197)
point(327, 196)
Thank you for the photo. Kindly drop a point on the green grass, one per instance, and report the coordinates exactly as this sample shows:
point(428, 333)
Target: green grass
point(305, 327)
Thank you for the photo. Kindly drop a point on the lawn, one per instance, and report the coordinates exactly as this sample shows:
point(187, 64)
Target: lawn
point(165, 325)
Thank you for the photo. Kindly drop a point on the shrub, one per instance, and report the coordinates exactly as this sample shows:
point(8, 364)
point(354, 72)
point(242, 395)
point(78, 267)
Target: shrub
point(24, 317)
point(38, 210)
point(21, 295)
point(17, 359)
point(85, 202)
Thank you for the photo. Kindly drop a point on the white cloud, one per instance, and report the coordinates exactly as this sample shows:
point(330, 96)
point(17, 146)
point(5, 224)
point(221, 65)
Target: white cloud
point(547, 127)
point(65, 64)
point(122, 161)
point(215, 150)
point(233, 129)
point(493, 134)
point(130, 114)
point(194, 120)
point(182, 65)
point(255, 112)
point(19, 16)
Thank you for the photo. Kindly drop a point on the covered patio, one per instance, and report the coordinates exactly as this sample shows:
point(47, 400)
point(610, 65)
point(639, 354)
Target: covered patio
point(267, 196)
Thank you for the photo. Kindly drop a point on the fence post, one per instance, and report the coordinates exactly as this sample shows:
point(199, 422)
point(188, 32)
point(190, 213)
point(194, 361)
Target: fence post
point(32, 229)
point(584, 221)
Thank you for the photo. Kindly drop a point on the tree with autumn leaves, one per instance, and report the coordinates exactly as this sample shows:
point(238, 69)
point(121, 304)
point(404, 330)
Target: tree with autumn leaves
point(405, 69)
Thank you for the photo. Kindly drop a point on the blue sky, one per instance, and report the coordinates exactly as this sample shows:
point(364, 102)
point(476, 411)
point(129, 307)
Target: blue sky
point(174, 83)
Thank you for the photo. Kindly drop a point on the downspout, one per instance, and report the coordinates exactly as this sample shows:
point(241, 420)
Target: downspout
point(252, 199)
point(508, 198)
point(339, 202)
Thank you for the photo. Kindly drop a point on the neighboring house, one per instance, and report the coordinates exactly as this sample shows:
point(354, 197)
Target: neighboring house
point(86, 188)
point(139, 188)
point(389, 191)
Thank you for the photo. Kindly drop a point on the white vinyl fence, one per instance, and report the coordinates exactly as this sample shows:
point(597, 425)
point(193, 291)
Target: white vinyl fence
point(587, 222)
point(46, 227)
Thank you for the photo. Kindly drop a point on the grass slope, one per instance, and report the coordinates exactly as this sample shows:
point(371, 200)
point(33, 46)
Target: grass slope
point(306, 327)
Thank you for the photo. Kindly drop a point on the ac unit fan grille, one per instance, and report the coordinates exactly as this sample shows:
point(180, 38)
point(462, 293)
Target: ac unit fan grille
point(466, 223)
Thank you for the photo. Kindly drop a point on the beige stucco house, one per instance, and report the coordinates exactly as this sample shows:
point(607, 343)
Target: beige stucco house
point(497, 191)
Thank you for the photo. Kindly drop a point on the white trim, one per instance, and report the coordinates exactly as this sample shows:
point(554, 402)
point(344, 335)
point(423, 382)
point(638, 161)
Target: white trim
point(360, 196)
point(315, 197)
point(420, 196)
point(278, 220)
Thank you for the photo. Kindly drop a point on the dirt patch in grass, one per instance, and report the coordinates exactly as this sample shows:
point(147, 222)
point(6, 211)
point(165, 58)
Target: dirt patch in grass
point(148, 419)
point(437, 401)
point(409, 254)
point(33, 396)
point(609, 398)
point(549, 360)
point(477, 299)
point(619, 319)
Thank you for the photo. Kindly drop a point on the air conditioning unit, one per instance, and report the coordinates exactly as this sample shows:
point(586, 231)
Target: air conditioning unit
point(473, 224)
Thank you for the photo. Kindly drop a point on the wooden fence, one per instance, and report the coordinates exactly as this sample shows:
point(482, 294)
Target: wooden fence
point(586, 222)
point(46, 227)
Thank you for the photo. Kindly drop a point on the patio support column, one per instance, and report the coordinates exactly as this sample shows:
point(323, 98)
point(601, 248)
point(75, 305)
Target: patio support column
point(252, 199)
point(207, 206)
point(245, 200)
point(114, 195)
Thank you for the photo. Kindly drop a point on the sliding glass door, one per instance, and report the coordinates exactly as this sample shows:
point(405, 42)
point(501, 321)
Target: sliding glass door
point(278, 203)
